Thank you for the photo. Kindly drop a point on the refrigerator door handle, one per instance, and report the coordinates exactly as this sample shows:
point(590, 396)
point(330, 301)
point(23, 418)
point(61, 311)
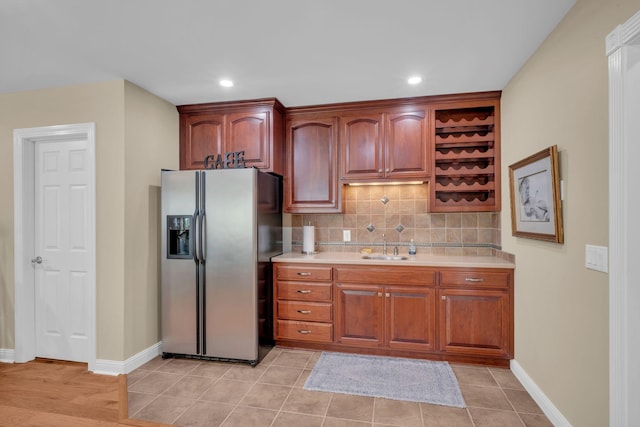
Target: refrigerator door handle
point(203, 233)
point(203, 217)
point(194, 242)
point(196, 224)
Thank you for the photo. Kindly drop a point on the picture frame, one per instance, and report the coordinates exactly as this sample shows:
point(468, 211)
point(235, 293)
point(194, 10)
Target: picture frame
point(536, 207)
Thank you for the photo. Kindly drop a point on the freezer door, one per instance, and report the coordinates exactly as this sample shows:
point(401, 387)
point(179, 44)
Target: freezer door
point(178, 273)
point(231, 323)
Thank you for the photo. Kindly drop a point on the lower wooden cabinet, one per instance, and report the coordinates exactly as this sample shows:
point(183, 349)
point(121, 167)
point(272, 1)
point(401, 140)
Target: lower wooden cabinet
point(456, 314)
point(303, 303)
point(476, 312)
point(475, 322)
point(359, 315)
point(400, 317)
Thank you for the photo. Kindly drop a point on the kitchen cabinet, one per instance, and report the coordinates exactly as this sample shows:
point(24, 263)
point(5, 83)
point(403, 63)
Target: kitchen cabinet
point(303, 303)
point(458, 314)
point(466, 156)
point(451, 141)
point(311, 175)
point(385, 145)
point(476, 312)
point(386, 307)
point(255, 127)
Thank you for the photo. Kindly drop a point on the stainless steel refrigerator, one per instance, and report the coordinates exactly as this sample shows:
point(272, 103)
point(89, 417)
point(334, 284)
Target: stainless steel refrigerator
point(220, 229)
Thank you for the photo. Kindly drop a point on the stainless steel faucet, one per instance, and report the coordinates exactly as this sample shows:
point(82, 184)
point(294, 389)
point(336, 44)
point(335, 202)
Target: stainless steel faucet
point(384, 245)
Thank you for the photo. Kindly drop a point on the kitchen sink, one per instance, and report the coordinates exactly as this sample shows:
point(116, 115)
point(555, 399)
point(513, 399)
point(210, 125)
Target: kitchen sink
point(385, 257)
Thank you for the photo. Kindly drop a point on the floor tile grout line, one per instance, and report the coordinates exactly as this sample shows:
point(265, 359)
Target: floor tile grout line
point(508, 400)
point(273, 363)
point(157, 396)
point(184, 375)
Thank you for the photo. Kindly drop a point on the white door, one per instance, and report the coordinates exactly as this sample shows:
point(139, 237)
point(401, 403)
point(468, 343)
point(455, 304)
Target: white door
point(62, 248)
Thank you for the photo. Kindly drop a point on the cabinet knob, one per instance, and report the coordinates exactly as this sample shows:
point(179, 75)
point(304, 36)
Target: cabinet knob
point(387, 170)
point(303, 291)
point(379, 170)
point(379, 294)
point(304, 311)
point(387, 295)
point(444, 297)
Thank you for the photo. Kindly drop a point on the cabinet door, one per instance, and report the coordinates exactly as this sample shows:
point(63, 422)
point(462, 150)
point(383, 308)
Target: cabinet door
point(476, 322)
point(407, 145)
point(311, 178)
point(410, 318)
point(200, 135)
point(249, 132)
point(359, 315)
point(361, 146)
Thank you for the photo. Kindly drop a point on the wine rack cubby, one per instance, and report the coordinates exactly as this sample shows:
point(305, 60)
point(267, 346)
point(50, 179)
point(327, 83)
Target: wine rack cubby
point(466, 171)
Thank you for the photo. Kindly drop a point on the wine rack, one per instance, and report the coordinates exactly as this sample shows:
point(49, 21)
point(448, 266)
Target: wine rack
point(466, 159)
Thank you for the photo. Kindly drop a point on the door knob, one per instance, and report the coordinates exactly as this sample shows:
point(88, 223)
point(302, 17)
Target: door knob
point(37, 260)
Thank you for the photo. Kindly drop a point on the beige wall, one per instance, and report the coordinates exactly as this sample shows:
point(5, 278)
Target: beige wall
point(151, 135)
point(123, 194)
point(561, 308)
point(103, 104)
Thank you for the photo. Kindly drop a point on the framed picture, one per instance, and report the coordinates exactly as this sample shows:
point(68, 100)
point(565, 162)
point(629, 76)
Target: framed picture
point(536, 208)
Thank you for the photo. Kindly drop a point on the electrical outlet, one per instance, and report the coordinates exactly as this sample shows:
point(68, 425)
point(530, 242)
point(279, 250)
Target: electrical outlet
point(346, 235)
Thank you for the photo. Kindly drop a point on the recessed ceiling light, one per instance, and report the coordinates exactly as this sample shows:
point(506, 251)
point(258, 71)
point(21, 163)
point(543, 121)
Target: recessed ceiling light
point(414, 80)
point(226, 83)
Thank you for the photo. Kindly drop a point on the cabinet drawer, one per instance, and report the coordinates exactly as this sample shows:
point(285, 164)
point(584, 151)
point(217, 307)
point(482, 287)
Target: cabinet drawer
point(310, 311)
point(471, 278)
point(292, 272)
point(304, 331)
point(302, 291)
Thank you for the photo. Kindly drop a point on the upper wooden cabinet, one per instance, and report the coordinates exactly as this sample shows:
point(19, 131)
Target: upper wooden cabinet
point(383, 145)
point(311, 176)
point(255, 127)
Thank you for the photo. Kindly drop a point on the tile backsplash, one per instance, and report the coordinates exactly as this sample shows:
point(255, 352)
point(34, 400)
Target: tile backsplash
point(400, 213)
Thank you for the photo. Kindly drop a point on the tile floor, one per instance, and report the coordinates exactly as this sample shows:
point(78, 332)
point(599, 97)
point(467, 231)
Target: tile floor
point(188, 392)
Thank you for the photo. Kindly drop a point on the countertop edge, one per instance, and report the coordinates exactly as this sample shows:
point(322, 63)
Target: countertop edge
point(420, 260)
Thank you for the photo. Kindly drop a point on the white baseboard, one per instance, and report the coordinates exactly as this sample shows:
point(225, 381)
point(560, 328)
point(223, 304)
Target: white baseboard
point(549, 409)
point(7, 355)
point(113, 367)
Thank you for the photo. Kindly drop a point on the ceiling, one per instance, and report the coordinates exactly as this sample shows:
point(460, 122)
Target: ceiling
point(303, 52)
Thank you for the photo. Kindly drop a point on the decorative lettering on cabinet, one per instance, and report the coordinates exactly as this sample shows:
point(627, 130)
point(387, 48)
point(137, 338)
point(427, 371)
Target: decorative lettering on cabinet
point(230, 160)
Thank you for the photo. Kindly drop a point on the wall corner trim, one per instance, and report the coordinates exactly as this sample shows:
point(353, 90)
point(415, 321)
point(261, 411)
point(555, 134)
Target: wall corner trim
point(549, 409)
point(114, 367)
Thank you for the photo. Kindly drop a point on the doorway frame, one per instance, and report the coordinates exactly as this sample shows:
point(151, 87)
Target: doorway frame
point(24, 141)
point(620, 215)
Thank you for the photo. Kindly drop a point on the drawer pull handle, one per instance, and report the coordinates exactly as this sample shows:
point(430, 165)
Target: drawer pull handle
point(304, 331)
point(473, 279)
point(303, 291)
point(304, 311)
point(303, 273)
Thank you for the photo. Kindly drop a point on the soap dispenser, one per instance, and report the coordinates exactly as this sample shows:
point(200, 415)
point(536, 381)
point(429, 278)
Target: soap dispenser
point(412, 247)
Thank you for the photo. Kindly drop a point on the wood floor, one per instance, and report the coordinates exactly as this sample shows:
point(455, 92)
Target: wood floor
point(62, 394)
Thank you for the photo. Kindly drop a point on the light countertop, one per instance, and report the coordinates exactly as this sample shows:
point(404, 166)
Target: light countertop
point(418, 260)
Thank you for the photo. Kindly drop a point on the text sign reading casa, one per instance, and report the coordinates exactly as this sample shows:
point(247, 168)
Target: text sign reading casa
point(230, 160)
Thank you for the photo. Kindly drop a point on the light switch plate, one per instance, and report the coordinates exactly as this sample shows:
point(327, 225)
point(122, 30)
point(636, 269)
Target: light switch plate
point(346, 235)
point(597, 258)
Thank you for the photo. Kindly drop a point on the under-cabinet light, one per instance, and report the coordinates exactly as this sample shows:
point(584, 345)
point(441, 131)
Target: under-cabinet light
point(226, 83)
point(361, 184)
point(414, 80)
